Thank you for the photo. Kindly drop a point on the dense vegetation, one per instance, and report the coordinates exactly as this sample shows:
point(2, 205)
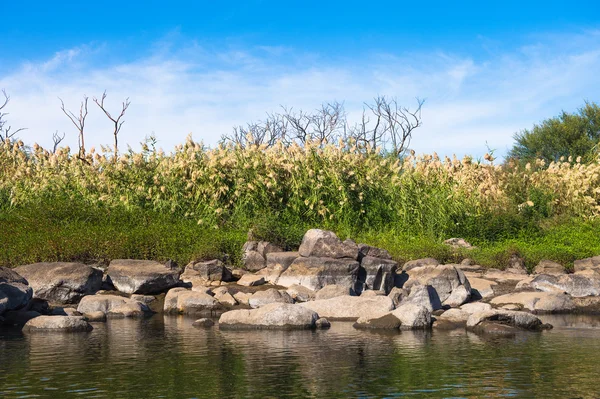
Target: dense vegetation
point(198, 202)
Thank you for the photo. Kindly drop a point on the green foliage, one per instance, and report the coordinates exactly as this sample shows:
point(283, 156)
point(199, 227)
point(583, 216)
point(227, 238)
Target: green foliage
point(575, 134)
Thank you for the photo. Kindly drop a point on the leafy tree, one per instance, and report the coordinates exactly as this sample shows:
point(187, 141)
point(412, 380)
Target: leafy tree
point(576, 134)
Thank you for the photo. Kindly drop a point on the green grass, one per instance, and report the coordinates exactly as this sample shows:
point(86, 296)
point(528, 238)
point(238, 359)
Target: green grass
point(76, 232)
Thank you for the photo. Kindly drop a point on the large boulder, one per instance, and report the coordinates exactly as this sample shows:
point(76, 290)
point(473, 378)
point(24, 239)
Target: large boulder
point(406, 317)
point(449, 282)
point(539, 302)
point(482, 287)
point(142, 276)
point(271, 295)
point(322, 243)
point(367, 250)
point(58, 324)
point(350, 307)
point(423, 295)
point(376, 273)
point(546, 266)
point(504, 321)
point(277, 263)
point(254, 254)
point(272, 316)
point(15, 293)
point(411, 264)
point(576, 285)
point(315, 273)
point(592, 263)
point(184, 301)
point(457, 318)
point(61, 282)
point(334, 290)
point(112, 305)
point(251, 280)
point(300, 293)
point(205, 272)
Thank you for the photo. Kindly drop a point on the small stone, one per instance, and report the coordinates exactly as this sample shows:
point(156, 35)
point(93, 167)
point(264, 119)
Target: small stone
point(251, 280)
point(322, 323)
point(204, 323)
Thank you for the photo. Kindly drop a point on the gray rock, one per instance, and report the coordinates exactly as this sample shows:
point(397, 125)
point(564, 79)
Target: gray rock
point(377, 273)
point(15, 293)
point(205, 272)
point(488, 321)
point(542, 302)
point(242, 297)
point(251, 280)
point(483, 287)
point(549, 267)
point(271, 295)
point(95, 317)
point(69, 324)
point(277, 263)
point(300, 293)
point(576, 285)
point(443, 278)
point(516, 265)
point(322, 243)
point(424, 295)
point(350, 307)
point(61, 282)
point(315, 273)
point(413, 317)
point(458, 243)
point(113, 305)
point(184, 301)
point(398, 295)
point(592, 263)
point(411, 264)
point(271, 316)
point(458, 296)
point(204, 323)
point(142, 276)
point(332, 291)
point(226, 299)
point(322, 324)
point(254, 254)
point(367, 250)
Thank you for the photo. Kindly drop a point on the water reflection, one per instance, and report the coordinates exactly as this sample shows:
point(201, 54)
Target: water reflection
point(168, 357)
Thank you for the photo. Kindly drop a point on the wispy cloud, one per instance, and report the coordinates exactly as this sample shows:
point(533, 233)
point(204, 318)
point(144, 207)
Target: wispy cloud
point(470, 100)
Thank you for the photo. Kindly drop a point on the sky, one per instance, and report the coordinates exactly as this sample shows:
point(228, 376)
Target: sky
point(485, 69)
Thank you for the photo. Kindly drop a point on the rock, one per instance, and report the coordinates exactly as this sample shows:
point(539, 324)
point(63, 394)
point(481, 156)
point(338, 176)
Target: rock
point(204, 323)
point(205, 272)
point(548, 302)
point(511, 306)
point(372, 293)
point(444, 279)
point(576, 285)
point(15, 293)
point(367, 250)
point(316, 273)
point(142, 276)
point(39, 305)
point(277, 263)
point(502, 276)
point(458, 243)
point(386, 321)
point(333, 290)
point(398, 295)
point(254, 254)
point(458, 296)
point(424, 295)
point(475, 307)
point(116, 306)
point(549, 267)
point(516, 265)
point(300, 293)
point(19, 317)
point(226, 299)
point(251, 280)
point(271, 316)
point(592, 263)
point(242, 297)
point(377, 273)
point(325, 244)
point(350, 307)
point(413, 316)
point(322, 324)
point(185, 301)
point(451, 319)
point(59, 311)
point(418, 263)
point(61, 282)
point(95, 317)
point(271, 295)
point(524, 284)
point(238, 273)
point(484, 288)
point(492, 318)
point(58, 324)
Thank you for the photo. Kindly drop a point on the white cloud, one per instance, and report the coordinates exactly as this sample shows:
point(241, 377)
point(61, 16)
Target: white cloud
point(470, 101)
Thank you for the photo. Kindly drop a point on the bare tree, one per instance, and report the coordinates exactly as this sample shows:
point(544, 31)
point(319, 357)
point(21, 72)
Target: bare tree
point(57, 138)
point(78, 121)
point(6, 132)
point(118, 123)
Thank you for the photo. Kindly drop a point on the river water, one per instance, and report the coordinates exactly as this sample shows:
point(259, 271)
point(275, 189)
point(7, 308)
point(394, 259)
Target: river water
point(166, 357)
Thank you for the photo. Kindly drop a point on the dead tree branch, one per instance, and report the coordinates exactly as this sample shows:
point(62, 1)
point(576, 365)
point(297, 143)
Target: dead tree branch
point(78, 121)
point(6, 132)
point(118, 123)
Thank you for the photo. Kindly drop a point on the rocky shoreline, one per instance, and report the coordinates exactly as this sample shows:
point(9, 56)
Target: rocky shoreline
point(325, 281)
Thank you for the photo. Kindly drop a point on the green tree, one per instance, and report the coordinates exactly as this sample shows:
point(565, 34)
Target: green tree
point(576, 134)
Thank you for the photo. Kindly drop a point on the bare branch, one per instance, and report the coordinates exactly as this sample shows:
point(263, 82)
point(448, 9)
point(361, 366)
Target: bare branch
point(118, 123)
point(57, 139)
point(6, 132)
point(78, 121)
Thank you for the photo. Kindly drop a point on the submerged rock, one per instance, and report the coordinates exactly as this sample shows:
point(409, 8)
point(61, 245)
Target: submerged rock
point(271, 316)
point(58, 324)
point(142, 276)
point(204, 323)
point(61, 282)
point(504, 322)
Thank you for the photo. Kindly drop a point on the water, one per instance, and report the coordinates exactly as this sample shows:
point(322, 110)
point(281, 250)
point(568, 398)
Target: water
point(165, 357)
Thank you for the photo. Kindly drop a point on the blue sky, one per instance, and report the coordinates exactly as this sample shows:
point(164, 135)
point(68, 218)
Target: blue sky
point(486, 69)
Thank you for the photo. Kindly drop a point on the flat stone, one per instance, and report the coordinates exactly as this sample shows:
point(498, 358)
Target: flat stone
point(251, 280)
point(61, 282)
point(350, 307)
point(271, 295)
point(549, 302)
point(418, 263)
point(142, 276)
point(546, 266)
point(271, 316)
point(333, 290)
point(69, 324)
